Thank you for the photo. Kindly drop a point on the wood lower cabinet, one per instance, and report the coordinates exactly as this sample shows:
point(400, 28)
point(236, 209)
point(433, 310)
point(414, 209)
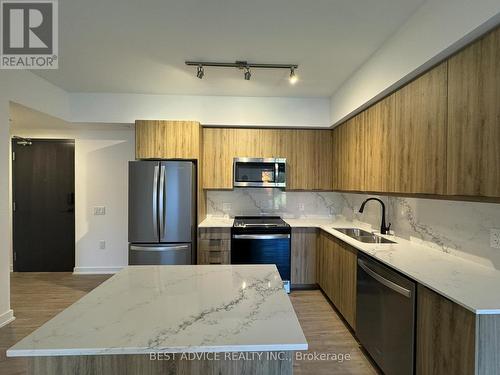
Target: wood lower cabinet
point(304, 241)
point(309, 164)
point(158, 139)
point(445, 336)
point(337, 273)
point(214, 245)
point(474, 119)
point(454, 340)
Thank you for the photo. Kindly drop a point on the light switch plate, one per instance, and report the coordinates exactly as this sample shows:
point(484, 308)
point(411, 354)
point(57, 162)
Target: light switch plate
point(102, 244)
point(495, 238)
point(99, 210)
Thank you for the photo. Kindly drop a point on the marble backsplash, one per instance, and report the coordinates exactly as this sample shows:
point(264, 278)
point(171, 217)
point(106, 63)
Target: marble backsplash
point(271, 202)
point(455, 227)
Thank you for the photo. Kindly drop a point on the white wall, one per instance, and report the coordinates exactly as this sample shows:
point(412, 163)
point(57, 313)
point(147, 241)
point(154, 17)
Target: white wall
point(209, 110)
point(436, 30)
point(34, 92)
point(101, 179)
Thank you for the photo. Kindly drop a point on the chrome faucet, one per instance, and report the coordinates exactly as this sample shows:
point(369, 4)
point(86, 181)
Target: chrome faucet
point(383, 228)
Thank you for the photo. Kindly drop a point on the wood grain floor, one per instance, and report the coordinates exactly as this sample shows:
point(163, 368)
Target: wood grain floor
point(327, 333)
point(37, 297)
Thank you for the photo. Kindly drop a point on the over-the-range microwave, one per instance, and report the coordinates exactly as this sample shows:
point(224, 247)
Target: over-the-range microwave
point(259, 172)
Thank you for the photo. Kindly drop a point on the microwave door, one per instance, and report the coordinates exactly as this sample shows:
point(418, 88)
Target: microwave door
point(255, 173)
point(143, 201)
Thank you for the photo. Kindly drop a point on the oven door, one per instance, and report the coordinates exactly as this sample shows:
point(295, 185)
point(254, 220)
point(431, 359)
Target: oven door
point(252, 172)
point(263, 249)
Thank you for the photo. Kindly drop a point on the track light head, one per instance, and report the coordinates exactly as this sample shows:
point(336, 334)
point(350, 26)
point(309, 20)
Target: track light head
point(201, 72)
point(293, 77)
point(248, 74)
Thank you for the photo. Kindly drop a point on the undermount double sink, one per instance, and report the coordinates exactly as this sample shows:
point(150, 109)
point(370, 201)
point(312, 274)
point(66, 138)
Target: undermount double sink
point(363, 236)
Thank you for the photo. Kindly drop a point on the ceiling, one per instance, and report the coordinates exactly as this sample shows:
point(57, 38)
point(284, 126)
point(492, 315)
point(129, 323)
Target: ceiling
point(131, 46)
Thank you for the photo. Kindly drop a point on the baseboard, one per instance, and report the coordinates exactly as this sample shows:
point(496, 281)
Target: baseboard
point(96, 270)
point(6, 318)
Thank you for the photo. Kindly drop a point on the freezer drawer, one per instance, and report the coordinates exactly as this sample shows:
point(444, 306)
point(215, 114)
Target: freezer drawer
point(145, 255)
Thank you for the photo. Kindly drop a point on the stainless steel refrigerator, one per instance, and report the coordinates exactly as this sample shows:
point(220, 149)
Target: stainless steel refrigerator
point(162, 212)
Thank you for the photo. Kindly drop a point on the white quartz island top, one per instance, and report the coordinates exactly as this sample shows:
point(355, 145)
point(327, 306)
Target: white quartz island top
point(174, 309)
point(469, 284)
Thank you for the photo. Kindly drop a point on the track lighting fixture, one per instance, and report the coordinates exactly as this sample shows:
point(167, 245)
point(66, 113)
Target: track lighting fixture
point(201, 72)
point(243, 65)
point(293, 78)
point(248, 74)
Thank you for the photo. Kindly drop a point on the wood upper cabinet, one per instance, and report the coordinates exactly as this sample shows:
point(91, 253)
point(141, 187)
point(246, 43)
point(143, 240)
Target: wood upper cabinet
point(419, 157)
point(304, 242)
point(217, 159)
point(307, 152)
point(158, 139)
point(474, 119)
point(380, 146)
point(310, 165)
point(336, 273)
point(349, 142)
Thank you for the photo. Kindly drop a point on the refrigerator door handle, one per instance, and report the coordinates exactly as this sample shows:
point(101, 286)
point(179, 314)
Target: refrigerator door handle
point(161, 200)
point(155, 200)
point(159, 248)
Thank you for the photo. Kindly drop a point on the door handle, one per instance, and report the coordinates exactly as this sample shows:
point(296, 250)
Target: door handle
point(161, 202)
point(382, 280)
point(155, 200)
point(260, 236)
point(159, 248)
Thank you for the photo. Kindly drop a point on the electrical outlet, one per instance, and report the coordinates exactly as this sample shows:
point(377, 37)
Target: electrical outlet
point(227, 207)
point(99, 210)
point(102, 244)
point(495, 238)
point(301, 207)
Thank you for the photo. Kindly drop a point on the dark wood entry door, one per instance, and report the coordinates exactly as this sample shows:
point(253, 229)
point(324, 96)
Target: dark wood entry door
point(43, 174)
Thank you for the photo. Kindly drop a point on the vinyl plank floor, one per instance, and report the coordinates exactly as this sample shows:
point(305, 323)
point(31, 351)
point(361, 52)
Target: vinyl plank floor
point(37, 297)
point(327, 333)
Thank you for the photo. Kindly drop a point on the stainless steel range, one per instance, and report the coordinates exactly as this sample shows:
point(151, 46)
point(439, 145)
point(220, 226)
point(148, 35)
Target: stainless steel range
point(262, 240)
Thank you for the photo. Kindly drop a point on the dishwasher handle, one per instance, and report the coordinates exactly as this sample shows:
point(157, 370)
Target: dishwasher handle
point(382, 280)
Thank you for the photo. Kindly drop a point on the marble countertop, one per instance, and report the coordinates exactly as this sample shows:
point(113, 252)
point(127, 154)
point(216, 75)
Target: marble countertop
point(223, 222)
point(216, 222)
point(309, 222)
point(469, 284)
point(174, 309)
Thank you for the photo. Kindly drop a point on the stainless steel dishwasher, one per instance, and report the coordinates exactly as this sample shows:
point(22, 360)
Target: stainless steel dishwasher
point(385, 323)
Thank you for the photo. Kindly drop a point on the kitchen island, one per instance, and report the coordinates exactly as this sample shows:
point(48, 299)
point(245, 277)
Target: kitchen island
point(172, 319)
